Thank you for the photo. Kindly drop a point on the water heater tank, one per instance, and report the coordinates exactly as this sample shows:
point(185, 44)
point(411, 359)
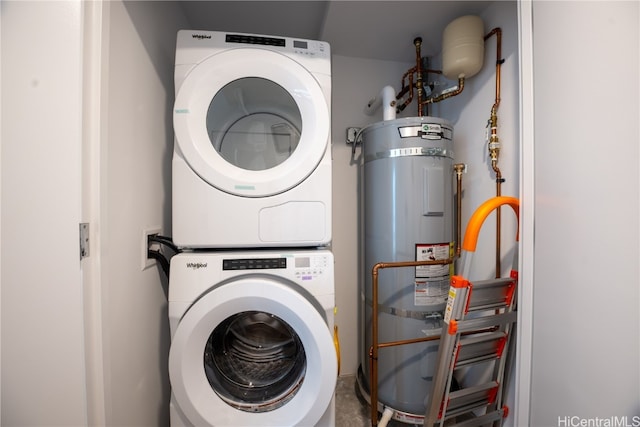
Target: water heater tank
point(463, 47)
point(407, 208)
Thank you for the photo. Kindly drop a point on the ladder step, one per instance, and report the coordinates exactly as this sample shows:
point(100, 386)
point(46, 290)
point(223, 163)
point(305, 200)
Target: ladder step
point(481, 324)
point(479, 348)
point(491, 294)
point(482, 420)
point(470, 398)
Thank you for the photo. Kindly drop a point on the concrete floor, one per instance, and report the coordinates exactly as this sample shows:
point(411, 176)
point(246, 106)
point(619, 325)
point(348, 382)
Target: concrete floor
point(351, 410)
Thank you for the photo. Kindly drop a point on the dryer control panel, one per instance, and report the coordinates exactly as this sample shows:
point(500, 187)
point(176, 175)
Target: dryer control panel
point(300, 46)
point(194, 46)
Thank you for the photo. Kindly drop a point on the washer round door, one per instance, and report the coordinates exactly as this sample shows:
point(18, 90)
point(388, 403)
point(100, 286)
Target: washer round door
point(253, 352)
point(251, 122)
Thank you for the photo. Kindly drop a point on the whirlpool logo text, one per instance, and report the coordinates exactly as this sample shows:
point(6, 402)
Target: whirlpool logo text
point(200, 36)
point(196, 265)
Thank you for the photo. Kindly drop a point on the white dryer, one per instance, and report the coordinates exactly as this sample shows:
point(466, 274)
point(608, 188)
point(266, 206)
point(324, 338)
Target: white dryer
point(252, 154)
point(252, 339)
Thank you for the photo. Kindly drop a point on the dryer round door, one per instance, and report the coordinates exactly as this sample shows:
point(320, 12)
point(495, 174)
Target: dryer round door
point(253, 352)
point(251, 122)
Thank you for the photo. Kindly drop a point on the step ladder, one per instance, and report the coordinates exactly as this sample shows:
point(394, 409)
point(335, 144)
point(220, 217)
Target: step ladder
point(479, 322)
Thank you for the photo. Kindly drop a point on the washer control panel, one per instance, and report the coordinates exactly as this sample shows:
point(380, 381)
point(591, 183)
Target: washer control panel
point(302, 267)
point(307, 268)
point(254, 263)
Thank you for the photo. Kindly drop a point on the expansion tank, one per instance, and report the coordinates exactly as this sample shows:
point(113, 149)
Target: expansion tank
point(407, 209)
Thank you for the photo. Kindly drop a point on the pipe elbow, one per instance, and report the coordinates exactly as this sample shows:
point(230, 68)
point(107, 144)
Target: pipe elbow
point(386, 99)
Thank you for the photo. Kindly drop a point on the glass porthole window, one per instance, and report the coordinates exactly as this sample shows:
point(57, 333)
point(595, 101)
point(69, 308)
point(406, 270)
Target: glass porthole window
point(254, 361)
point(254, 123)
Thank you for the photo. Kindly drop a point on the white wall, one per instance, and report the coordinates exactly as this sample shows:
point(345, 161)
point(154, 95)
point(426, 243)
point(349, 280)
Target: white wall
point(355, 82)
point(470, 112)
point(137, 141)
point(586, 336)
point(43, 347)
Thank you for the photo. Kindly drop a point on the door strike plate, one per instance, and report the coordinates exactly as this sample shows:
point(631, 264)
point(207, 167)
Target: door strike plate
point(84, 240)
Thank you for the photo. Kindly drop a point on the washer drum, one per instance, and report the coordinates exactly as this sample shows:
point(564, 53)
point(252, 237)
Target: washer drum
point(407, 209)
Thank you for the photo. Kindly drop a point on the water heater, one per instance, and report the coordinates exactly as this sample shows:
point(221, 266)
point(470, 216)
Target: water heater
point(407, 210)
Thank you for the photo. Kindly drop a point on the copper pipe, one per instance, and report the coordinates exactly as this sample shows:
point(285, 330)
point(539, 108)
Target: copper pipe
point(405, 88)
point(375, 346)
point(448, 94)
point(494, 144)
point(498, 33)
point(405, 342)
point(409, 87)
point(407, 73)
point(458, 168)
point(419, 86)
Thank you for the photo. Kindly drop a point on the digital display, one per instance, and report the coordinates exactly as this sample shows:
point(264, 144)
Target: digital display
point(300, 44)
point(303, 262)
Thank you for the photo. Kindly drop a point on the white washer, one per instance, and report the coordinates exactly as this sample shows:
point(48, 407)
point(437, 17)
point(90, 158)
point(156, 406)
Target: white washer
point(252, 154)
point(252, 339)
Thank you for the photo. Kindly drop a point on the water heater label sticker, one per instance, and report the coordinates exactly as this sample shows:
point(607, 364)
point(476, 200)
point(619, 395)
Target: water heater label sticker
point(420, 293)
point(432, 252)
point(430, 293)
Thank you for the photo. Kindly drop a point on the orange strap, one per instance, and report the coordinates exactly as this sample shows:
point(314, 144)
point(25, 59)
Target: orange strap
point(477, 219)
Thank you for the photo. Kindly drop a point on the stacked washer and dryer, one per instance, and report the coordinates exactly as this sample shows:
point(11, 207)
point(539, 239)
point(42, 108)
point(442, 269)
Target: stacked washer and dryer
point(251, 295)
